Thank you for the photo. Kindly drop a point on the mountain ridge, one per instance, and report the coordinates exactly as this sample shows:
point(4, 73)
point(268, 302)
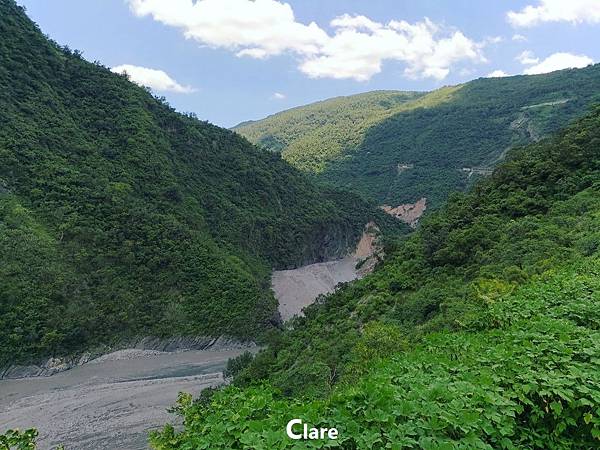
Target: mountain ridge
point(331, 100)
point(357, 144)
point(121, 218)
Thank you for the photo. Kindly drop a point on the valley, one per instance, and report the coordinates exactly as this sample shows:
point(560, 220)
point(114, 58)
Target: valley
point(395, 269)
point(470, 328)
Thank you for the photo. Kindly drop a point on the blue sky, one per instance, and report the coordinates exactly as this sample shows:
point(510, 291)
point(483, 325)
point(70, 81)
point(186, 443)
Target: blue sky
point(235, 60)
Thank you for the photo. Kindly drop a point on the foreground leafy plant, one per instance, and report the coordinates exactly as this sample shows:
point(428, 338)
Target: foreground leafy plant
point(531, 381)
point(18, 440)
point(21, 440)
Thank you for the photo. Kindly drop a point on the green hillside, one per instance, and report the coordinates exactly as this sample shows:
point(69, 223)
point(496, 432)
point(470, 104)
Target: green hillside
point(397, 147)
point(313, 136)
point(120, 217)
point(481, 330)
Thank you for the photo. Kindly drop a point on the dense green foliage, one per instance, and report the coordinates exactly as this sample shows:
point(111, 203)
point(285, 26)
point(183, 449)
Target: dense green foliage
point(237, 364)
point(120, 217)
point(481, 330)
point(20, 440)
point(525, 375)
point(17, 440)
point(315, 135)
point(358, 142)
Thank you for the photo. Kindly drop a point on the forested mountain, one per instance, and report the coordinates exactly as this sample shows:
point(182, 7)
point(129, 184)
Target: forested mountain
point(480, 330)
point(399, 147)
point(120, 217)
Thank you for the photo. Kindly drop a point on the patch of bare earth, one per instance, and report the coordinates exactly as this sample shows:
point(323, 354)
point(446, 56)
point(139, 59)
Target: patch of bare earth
point(409, 213)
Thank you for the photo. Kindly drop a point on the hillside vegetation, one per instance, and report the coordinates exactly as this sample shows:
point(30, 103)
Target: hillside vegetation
point(398, 147)
point(313, 136)
point(121, 218)
point(481, 330)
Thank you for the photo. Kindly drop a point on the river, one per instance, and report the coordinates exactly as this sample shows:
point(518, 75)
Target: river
point(110, 403)
point(114, 401)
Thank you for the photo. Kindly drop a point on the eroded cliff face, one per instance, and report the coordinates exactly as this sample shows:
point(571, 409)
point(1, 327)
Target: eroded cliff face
point(51, 366)
point(327, 244)
point(369, 250)
point(409, 213)
point(369, 242)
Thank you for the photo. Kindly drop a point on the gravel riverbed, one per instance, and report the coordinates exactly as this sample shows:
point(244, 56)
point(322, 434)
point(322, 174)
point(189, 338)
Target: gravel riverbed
point(111, 402)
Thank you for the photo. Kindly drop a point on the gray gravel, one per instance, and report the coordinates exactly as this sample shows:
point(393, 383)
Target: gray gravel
point(109, 403)
point(298, 288)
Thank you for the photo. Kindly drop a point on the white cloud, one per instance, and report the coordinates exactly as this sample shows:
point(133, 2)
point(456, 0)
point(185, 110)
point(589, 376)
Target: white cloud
point(494, 39)
point(558, 61)
point(573, 11)
point(278, 96)
point(356, 48)
point(519, 38)
point(527, 58)
point(355, 22)
point(152, 78)
point(497, 74)
point(258, 28)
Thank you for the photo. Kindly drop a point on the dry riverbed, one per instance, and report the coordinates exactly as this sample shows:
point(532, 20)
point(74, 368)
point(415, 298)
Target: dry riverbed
point(298, 288)
point(109, 403)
